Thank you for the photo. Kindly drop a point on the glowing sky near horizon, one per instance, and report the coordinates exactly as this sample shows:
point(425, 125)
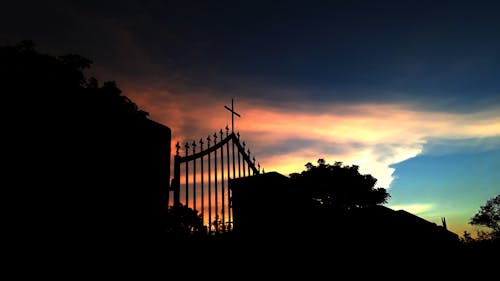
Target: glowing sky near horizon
point(373, 136)
point(407, 90)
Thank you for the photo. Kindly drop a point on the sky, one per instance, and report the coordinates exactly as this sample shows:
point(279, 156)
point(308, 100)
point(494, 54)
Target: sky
point(407, 90)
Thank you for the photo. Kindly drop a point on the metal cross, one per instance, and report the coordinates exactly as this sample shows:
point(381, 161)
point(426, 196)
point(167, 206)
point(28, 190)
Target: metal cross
point(232, 114)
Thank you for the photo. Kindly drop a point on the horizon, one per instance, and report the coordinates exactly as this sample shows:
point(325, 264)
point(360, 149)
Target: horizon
point(407, 91)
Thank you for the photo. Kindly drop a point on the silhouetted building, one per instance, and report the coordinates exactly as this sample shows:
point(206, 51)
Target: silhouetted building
point(111, 178)
point(265, 205)
point(135, 177)
point(271, 204)
point(85, 163)
point(398, 230)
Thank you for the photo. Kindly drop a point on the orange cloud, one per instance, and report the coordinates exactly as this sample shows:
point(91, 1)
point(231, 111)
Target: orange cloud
point(373, 136)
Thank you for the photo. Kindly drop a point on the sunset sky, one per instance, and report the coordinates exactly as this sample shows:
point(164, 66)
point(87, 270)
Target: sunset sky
point(407, 90)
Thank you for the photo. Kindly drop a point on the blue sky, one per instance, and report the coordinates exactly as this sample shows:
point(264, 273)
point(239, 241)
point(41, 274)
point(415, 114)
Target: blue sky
point(407, 90)
point(448, 179)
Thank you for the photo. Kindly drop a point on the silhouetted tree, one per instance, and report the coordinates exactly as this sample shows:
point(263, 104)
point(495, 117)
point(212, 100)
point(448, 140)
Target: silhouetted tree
point(340, 186)
point(182, 221)
point(47, 82)
point(466, 238)
point(489, 216)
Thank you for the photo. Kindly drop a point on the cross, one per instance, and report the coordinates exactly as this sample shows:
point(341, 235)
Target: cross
point(232, 114)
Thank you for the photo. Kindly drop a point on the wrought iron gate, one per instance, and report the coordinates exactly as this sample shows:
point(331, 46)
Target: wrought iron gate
point(206, 171)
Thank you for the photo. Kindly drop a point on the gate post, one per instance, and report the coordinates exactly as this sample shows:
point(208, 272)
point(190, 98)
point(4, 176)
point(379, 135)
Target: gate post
point(176, 185)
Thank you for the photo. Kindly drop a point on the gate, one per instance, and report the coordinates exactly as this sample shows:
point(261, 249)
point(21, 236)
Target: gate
point(201, 176)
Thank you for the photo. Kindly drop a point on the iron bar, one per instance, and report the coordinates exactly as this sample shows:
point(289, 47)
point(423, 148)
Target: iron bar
point(194, 176)
point(229, 197)
point(239, 167)
point(202, 186)
point(222, 184)
point(228, 176)
point(187, 173)
point(215, 193)
point(209, 189)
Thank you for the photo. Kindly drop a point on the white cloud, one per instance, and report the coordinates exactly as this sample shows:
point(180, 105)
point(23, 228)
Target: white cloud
point(415, 209)
point(371, 136)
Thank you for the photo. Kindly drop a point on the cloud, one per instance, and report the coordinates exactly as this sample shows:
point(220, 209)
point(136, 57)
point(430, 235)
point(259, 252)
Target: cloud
point(416, 209)
point(373, 136)
point(285, 126)
point(284, 138)
point(444, 146)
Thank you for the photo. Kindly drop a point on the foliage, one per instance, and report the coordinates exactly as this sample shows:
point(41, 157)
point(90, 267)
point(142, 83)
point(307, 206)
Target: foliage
point(489, 216)
point(467, 237)
point(340, 186)
point(48, 81)
point(183, 221)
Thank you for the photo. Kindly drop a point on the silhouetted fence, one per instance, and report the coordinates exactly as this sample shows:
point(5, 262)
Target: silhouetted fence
point(202, 183)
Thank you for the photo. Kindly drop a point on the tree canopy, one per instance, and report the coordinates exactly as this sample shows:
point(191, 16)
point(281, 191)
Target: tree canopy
point(340, 186)
point(44, 82)
point(489, 216)
point(182, 221)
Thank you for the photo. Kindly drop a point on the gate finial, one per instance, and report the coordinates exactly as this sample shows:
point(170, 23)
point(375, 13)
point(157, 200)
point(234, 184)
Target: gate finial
point(193, 145)
point(186, 146)
point(208, 140)
point(201, 144)
point(177, 147)
point(227, 131)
